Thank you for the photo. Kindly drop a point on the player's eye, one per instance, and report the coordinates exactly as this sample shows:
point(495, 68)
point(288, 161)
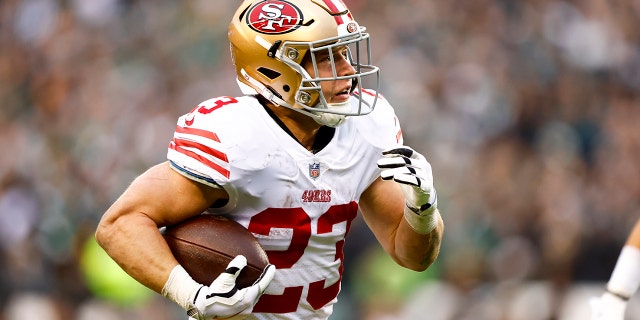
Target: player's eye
point(323, 57)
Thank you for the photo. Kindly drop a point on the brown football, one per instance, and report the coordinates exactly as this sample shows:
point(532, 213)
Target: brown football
point(204, 246)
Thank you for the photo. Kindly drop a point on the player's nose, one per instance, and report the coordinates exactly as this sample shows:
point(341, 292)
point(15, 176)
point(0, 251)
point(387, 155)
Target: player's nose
point(344, 66)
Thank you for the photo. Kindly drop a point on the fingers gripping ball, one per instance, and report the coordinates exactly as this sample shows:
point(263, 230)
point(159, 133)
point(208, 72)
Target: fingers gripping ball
point(412, 171)
point(223, 298)
point(223, 271)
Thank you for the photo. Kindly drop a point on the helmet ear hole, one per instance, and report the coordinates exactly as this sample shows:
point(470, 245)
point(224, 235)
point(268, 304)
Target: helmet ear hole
point(286, 88)
point(269, 73)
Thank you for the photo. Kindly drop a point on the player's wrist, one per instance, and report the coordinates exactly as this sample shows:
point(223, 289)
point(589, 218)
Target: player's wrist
point(181, 288)
point(426, 206)
point(422, 222)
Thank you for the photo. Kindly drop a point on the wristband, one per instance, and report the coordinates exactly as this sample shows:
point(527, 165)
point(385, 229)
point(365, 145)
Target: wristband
point(625, 277)
point(431, 204)
point(181, 288)
point(422, 222)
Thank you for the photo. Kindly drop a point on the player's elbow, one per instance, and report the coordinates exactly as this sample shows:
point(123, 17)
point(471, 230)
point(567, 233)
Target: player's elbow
point(421, 265)
point(109, 228)
point(425, 264)
point(104, 232)
point(421, 259)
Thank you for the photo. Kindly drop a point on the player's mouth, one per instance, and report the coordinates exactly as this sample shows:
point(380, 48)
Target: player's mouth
point(342, 95)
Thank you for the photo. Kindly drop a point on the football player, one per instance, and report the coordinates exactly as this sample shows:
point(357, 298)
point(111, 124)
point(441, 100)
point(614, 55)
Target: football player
point(293, 160)
point(623, 283)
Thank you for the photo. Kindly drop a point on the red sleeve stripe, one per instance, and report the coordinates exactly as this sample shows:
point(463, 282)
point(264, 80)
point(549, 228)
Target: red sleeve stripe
point(182, 143)
point(198, 132)
point(180, 148)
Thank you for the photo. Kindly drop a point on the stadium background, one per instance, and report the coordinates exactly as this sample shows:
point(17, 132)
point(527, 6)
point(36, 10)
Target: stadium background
point(527, 111)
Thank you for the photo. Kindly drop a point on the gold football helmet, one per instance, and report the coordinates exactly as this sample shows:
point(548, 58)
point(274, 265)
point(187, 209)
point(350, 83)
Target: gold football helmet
point(270, 39)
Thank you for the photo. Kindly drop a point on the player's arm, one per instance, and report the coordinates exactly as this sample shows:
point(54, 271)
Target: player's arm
point(400, 208)
point(128, 231)
point(623, 283)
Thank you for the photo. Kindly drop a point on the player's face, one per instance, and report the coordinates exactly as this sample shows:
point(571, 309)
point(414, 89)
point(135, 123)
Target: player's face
point(334, 91)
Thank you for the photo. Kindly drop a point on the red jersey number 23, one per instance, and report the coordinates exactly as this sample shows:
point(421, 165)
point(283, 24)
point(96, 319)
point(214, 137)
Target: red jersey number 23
point(298, 220)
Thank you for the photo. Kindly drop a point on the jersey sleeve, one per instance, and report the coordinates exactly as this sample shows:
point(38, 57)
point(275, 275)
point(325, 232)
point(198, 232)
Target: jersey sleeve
point(196, 150)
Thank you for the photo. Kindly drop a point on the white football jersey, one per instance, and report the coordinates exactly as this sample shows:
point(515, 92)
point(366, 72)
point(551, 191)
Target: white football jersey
point(298, 204)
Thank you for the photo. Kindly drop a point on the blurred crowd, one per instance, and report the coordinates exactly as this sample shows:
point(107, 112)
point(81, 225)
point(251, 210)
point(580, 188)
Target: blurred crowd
point(527, 111)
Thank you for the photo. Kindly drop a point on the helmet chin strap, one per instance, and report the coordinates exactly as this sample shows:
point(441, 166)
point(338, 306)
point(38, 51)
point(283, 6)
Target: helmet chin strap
point(333, 119)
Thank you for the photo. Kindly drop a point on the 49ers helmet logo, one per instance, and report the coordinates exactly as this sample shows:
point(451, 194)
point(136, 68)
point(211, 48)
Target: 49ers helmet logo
point(274, 17)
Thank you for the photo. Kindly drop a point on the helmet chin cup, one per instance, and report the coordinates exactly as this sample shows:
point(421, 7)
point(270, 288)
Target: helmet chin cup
point(333, 119)
point(330, 119)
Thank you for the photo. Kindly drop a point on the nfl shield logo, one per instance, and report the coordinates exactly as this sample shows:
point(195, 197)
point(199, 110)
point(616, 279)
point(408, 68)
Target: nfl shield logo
point(314, 170)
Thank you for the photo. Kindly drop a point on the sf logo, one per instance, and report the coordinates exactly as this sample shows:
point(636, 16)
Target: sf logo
point(274, 17)
point(273, 14)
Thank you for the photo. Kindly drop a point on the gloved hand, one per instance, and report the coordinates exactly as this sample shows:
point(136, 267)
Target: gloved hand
point(607, 307)
point(413, 173)
point(223, 299)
